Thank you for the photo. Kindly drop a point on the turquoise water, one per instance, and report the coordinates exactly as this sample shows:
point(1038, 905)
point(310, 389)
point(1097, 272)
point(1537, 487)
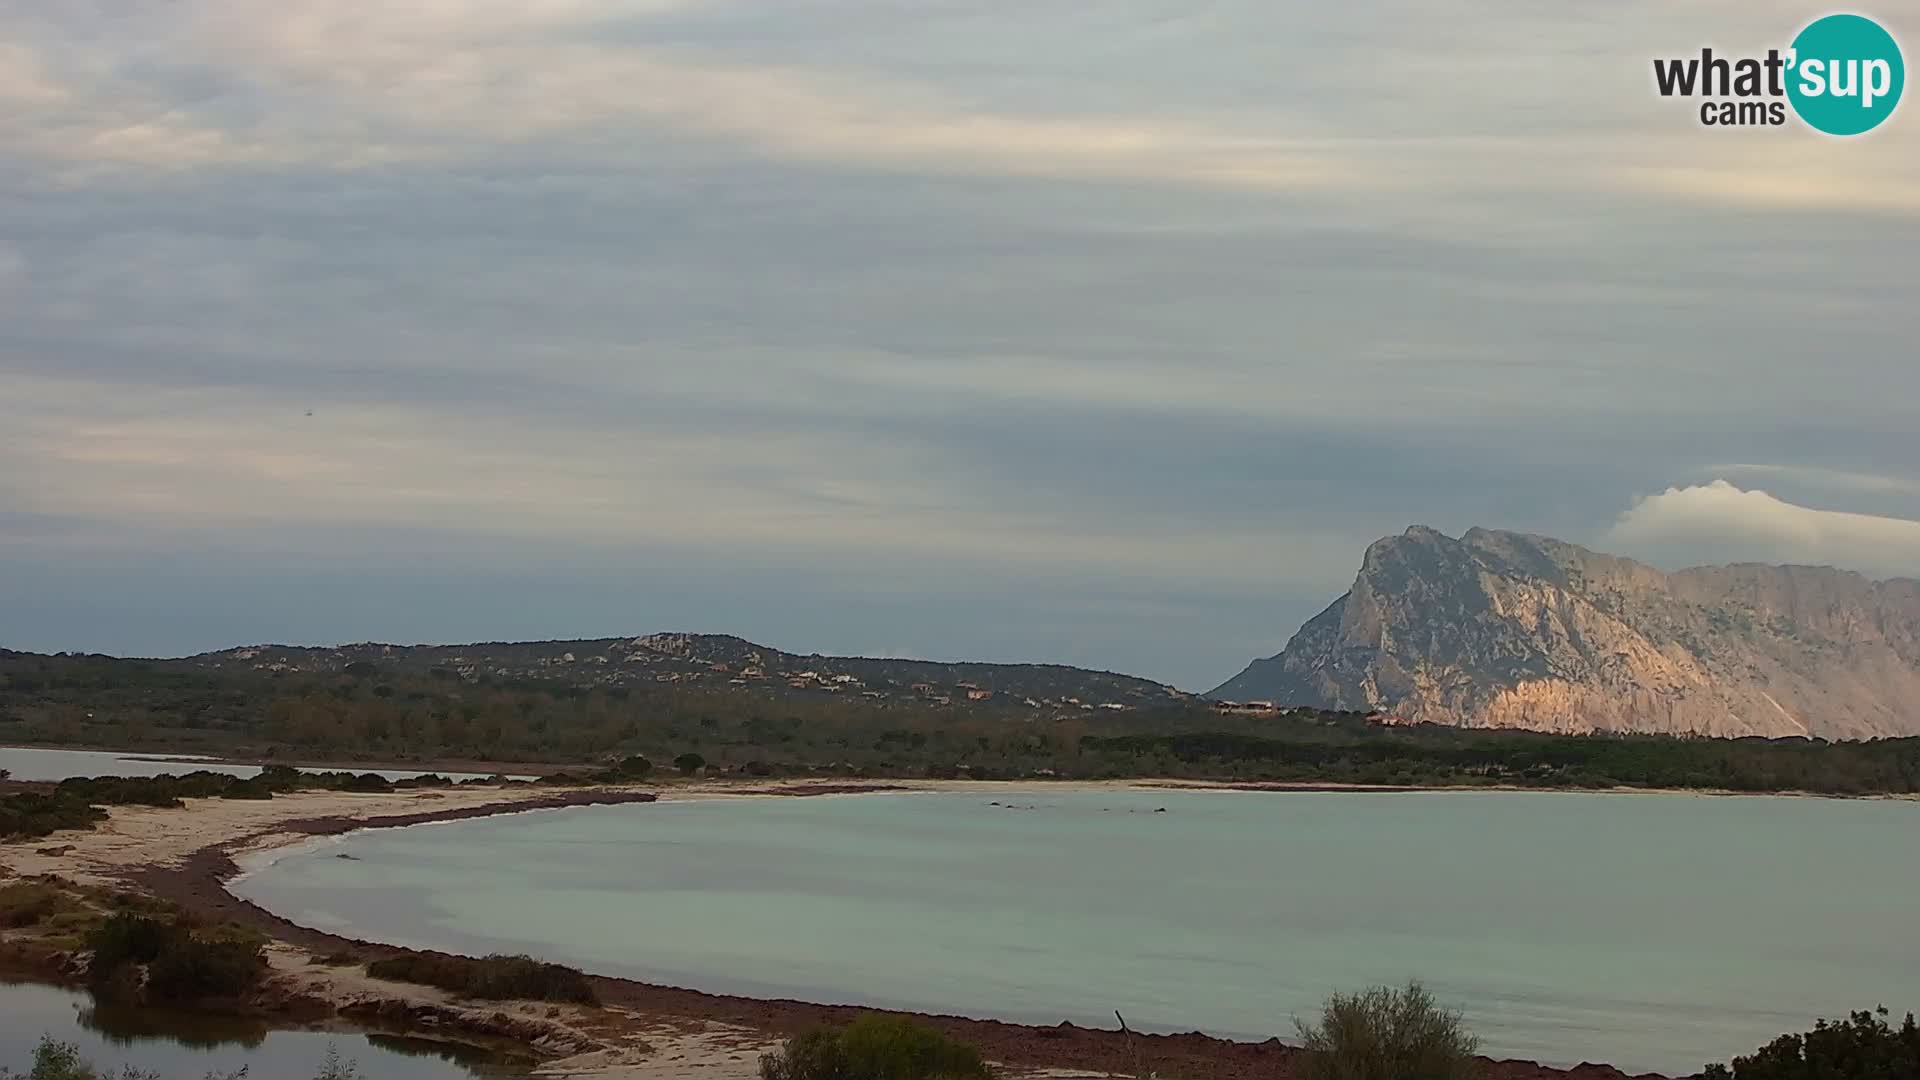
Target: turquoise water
point(186, 1046)
point(1649, 931)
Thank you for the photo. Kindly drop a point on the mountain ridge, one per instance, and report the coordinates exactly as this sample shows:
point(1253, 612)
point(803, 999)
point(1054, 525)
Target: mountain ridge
point(1509, 629)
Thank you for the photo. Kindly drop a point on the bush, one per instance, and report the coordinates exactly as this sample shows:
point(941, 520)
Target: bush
point(1384, 1033)
point(127, 939)
point(180, 965)
point(494, 977)
point(634, 767)
point(688, 764)
point(875, 1047)
point(248, 789)
point(1861, 1047)
point(54, 1060)
point(190, 968)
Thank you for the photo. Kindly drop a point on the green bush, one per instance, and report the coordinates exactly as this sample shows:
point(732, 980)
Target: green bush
point(127, 939)
point(54, 1060)
point(875, 1047)
point(1383, 1033)
point(689, 763)
point(248, 789)
point(189, 969)
point(1861, 1047)
point(181, 966)
point(494, 977)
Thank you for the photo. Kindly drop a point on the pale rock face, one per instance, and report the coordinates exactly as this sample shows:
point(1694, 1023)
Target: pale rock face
point(1500, 629)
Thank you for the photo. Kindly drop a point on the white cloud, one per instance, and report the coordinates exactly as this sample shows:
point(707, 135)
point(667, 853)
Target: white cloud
point(1719, 523)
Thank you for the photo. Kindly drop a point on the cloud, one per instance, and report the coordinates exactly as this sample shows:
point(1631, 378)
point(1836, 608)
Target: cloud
point(1096, 302)
point(219, 462)
point(358, 85)
point(338, 84)
point(1720, 523)
point(1818, 477)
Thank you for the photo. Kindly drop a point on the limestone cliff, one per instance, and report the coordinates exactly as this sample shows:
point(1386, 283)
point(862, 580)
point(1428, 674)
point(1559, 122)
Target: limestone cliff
point(1500, 629)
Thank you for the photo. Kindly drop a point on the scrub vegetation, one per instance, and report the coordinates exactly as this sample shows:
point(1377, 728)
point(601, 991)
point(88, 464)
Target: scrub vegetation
point(41, 809)
point(1384, 1033)
point(1862, 1047)
point(875, 1047)
point(371, 714)
point(167, 960)
point(497, 977)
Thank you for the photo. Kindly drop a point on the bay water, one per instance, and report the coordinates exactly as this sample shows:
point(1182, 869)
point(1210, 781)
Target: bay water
point(1650, 931)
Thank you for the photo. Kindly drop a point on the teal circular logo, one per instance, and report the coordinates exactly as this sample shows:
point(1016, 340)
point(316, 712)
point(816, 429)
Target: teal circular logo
point(1846, 74)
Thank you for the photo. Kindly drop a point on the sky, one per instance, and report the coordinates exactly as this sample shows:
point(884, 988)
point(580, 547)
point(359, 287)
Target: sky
point(1103, 332)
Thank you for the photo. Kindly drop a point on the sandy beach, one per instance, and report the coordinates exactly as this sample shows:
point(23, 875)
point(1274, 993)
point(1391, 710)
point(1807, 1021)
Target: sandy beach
point(641, 1030)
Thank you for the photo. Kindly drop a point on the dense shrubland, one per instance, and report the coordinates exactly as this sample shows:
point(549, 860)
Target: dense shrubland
point(1862, 1047)
point(499, 978)
point(371, 715)
point(135, 947)
point(179, 962)
point(77, 803)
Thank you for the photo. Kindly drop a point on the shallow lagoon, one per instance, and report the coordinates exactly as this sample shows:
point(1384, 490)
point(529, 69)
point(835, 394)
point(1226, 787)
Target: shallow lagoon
point(1649, 931)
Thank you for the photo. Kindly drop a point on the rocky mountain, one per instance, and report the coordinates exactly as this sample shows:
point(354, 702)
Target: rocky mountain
point(712, 660)
point(1501, 629)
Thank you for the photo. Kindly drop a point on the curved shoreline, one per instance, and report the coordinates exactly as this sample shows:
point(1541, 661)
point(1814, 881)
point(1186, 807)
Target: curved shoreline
point(197, 881)
point(1061, 1046)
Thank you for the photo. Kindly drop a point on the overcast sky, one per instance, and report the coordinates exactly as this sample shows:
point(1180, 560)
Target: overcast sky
point(1105, 332)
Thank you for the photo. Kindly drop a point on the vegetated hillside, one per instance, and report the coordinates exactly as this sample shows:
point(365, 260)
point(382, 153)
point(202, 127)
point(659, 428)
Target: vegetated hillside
point(366, 712)
point(1508, 630)
point(714, 660)
point(571, 702)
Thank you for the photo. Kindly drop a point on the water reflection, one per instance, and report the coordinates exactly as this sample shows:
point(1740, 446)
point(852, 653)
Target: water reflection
point(122, 1024)
point(179, 1045)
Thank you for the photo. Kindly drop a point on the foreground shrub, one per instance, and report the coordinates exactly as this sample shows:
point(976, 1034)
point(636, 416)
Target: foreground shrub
point(1384, 1033)
point(180, 965)
point(493, 977)
point(127, 939)
point(875, 1047)
point(189, 969)
point(1861, 1047)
